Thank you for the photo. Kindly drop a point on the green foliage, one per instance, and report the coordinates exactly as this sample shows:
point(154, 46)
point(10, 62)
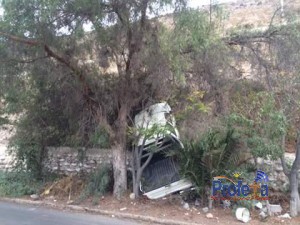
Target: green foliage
point(150, 132)
point(3, 120)
point(194, 105)
point(17, 184)
point(98, 184)
point(259, 123)
point(99, 138)
point(212, 155)
point(192, 34)
point(42, 125)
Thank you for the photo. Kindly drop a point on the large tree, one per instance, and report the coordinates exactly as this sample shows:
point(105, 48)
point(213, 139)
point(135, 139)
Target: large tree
point(115, 69)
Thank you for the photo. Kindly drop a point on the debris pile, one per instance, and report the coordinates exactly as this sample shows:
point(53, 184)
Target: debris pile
point(70, 187)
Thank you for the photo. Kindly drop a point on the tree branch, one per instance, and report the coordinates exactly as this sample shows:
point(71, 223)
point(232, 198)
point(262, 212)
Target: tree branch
point(30, 42)
point(147, 162)
point(48, 50)
point(60, 59)
point(259, 37)
point(24, 61)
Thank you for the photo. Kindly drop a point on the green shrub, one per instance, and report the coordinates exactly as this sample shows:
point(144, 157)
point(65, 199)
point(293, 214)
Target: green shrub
point(18, 183)
point(3, 120)
point(260, 124)
point(98, 183)
point(99, 138)
point(212, 155)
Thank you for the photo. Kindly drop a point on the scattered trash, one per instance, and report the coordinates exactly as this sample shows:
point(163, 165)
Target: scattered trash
point(226, 204)
point(259, 205)
point(205, 209)
point(209, 216)
point(186, 206)
point(285, 216)
point(264, 209)
point(274, 209)
point(242, 214)
point(132, 196)
point(263, 215)
point(50, 197)
point(186, 214)
point(34, 197)
point(70, 202)
point(123, 209)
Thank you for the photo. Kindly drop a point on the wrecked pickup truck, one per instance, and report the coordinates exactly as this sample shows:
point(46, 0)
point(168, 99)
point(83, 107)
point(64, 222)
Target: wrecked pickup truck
point(161, 176)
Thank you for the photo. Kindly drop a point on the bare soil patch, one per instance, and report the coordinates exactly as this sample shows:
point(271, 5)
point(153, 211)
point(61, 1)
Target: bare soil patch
point(172, 209)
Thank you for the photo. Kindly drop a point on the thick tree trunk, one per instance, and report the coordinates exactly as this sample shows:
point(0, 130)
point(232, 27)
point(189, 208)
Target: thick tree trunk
point(295, 200)
point(294, 182)
point(120, 170)
point(119, 154)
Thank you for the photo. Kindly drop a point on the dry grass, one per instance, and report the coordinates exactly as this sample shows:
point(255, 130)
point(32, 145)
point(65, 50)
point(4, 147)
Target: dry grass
point(67, 187)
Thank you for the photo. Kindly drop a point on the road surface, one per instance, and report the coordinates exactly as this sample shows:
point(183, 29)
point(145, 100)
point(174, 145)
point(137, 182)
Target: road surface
point(14, 214)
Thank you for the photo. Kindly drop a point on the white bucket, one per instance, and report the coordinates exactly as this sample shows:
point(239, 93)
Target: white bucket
point(242, 214)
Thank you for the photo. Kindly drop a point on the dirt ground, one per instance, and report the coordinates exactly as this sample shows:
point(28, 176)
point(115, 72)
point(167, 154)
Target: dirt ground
point(171, 208)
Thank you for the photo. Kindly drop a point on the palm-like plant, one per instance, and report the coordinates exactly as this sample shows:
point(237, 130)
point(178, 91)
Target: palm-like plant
point(212, 155)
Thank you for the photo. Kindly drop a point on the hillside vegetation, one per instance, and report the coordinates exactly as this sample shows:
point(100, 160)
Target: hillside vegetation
point(229, 72)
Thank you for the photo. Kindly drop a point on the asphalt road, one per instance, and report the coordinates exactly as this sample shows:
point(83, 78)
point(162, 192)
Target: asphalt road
point(14, 214)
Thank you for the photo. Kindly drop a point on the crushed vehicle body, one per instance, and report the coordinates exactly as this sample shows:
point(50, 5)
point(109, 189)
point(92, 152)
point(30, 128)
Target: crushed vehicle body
point(161, 176)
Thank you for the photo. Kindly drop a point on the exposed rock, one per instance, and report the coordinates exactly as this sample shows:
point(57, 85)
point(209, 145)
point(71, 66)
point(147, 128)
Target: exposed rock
point(226, 204)
point(259, 205)
point(274, 209)
point(285, 216)
point(34, 197)
point(197, 203)
point(282, 177)
point(262, 215)
point(132, 196)
point(264, 209)
point(205, 209)
point(209, 216)
point(186, 206)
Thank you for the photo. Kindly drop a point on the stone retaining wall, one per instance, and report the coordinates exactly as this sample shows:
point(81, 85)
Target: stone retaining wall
point(66, 160)
point(6, 161)
point(278, 180)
